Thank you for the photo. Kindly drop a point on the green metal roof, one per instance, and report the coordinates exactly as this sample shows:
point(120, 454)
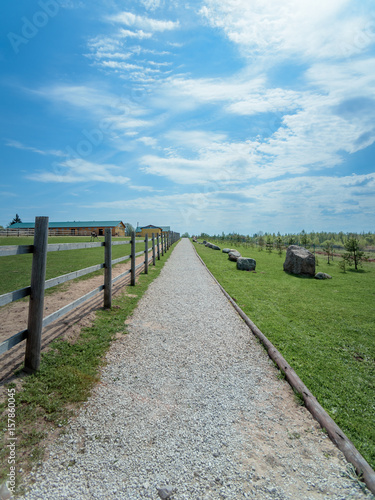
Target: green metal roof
point(55, 225)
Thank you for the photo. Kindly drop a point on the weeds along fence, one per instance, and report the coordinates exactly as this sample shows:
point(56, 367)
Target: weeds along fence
point(156, 245)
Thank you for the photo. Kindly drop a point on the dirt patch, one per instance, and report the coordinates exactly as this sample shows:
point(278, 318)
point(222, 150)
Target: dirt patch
point(13, 317)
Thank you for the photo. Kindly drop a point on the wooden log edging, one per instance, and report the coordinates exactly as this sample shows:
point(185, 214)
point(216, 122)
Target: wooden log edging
point(336, 435)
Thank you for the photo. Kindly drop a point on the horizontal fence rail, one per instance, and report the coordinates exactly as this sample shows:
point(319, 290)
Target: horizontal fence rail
point(18, 232)
point(160, 244)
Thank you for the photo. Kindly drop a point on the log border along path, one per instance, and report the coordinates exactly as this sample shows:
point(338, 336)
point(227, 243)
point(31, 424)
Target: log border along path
point(190, 407)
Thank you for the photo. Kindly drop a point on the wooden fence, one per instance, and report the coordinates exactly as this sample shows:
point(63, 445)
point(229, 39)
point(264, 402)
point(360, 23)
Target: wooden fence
point(33, 334)
point(18, 232)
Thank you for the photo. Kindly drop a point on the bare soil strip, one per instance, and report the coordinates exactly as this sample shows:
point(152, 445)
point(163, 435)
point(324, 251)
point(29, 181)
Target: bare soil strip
point(13, 317)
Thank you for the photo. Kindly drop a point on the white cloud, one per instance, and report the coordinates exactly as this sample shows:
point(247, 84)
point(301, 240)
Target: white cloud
point(140, 34)
point(79, 96)
point(79, 170)
point(110, 112)
point(146, 23)
point(148, 141)
point(317, 29)
point(194, 139)
point(271, 205)
point(45, 152)
point(210, 90)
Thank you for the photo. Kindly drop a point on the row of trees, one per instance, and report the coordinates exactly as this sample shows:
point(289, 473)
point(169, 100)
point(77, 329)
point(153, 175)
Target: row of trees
point(308, 240)
point(352, 244)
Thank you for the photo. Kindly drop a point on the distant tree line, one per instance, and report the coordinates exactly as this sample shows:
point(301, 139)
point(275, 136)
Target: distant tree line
point(323, 239)
point(352, 245)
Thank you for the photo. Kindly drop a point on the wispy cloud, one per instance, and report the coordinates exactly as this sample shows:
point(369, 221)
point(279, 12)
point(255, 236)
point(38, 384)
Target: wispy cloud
point(145, 23)
point(45, 152)
point(79, 170)
point(140, 34)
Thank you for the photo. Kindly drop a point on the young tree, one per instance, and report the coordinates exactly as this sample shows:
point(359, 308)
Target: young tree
point(16, 219)
point(354, 255)
point(269, 244)
point(261, 243)
point(279, 244)
point(327, 247)
point(292, 240)
point(305, 241)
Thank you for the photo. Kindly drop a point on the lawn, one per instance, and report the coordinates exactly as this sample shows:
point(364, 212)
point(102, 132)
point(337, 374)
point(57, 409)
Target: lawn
point(324, 329)
point(17, 268)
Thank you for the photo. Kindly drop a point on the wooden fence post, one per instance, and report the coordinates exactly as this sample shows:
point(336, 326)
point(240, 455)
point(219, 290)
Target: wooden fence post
point(108, 269)
point(162, 244)
point(36, 304)
point(132, 275)
point(153, 250)
point(146, 253)
point(158, 245)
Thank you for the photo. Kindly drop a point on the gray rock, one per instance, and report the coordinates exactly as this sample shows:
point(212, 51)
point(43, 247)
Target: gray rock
point(323, 276)
point(227, 250)
point(246, 264)
point(165, 493)
point(299, 261)
point(233, 255)
point(211, 245)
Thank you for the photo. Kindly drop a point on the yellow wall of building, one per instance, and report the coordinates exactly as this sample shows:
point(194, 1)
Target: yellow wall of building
point(149, 231)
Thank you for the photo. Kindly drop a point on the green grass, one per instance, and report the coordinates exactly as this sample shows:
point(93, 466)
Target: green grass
point(66, 377)
point(324, 329)
point(17, 268)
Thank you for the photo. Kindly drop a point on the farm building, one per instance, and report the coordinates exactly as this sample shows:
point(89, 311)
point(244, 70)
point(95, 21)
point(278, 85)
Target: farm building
point(76, 228)
point(142, 231)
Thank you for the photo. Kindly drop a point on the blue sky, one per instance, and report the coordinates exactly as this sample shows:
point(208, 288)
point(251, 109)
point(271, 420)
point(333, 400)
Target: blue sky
point(212, 116)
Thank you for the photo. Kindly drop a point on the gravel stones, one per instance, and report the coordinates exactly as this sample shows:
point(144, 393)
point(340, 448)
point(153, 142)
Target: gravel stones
point(190, 406)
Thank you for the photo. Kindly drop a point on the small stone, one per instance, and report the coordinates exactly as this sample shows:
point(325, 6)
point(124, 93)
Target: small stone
point(165, 493)
point(5, 493)
point(322, 276)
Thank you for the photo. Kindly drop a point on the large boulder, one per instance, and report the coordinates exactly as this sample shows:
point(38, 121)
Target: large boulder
point(233, 255)
point(227, 250)
point(299, 261)
point(246, 264)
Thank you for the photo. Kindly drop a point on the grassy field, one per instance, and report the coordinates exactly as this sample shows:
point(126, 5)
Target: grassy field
point(68, 371)
point(17, 268)
point(324, 329)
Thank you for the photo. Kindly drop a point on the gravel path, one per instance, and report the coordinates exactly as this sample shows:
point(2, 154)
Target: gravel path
point(190, 407)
